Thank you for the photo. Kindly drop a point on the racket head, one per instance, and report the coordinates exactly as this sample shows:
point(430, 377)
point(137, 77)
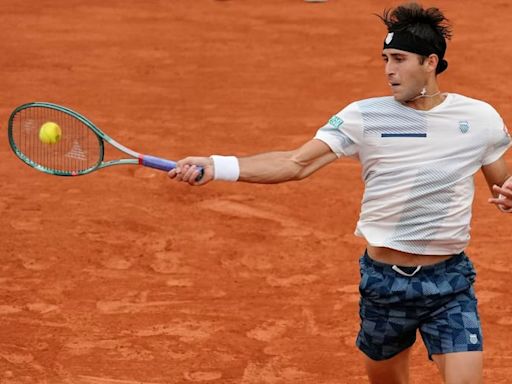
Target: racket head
point(79, 151)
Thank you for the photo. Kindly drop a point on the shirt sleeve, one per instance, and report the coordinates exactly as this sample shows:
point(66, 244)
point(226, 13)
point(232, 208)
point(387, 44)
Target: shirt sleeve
point(499, 140)
point(343, 132)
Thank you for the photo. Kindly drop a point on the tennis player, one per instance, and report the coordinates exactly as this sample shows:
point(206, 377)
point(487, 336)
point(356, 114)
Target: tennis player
point(419, 150)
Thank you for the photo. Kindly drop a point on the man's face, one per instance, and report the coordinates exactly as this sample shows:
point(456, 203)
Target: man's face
point(405, 75)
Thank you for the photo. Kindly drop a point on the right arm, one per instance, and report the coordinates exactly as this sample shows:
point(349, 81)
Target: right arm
point(264, 168)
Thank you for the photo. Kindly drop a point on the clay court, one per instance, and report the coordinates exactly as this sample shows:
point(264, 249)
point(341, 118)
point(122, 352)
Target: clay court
point(124, 277)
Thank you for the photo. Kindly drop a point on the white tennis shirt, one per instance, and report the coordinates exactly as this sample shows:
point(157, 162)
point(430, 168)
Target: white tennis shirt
point(418, 168)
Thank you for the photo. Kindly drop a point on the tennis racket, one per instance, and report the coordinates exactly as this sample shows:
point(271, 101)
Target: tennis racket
point(79, 148)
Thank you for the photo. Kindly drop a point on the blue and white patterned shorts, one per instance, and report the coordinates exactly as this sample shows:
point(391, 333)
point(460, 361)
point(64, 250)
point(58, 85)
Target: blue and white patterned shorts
point(438, 300)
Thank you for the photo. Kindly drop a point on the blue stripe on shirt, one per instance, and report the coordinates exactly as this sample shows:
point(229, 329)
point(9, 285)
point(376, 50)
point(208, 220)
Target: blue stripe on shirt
point(403, 135)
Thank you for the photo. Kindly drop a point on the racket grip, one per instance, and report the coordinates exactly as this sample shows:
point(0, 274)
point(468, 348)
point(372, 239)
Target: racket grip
point(157, 163)
point(163, 164)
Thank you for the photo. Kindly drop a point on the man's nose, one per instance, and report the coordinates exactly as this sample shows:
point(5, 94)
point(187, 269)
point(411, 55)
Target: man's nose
point(389, 69)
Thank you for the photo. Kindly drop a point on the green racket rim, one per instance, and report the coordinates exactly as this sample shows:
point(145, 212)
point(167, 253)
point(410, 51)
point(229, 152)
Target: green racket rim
point(99, 135)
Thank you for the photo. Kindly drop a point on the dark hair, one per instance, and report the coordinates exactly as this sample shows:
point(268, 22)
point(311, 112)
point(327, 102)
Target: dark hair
point(429, 25)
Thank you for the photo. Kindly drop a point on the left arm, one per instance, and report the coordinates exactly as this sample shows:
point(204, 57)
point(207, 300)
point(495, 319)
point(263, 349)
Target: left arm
point(499, 181)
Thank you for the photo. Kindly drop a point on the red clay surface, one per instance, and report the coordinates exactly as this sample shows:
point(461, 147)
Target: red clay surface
point(123, 277)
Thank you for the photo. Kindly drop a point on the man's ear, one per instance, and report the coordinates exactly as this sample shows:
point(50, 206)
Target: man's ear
point(432, 61)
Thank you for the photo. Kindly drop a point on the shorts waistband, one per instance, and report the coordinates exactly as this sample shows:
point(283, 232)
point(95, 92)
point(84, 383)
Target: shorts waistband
point(430, 268)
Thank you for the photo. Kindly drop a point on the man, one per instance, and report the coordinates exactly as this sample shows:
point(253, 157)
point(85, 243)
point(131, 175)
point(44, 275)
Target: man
point(419, 150)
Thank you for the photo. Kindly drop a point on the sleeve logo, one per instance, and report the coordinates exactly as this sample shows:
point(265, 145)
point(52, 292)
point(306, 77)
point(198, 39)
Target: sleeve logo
point(336, 121)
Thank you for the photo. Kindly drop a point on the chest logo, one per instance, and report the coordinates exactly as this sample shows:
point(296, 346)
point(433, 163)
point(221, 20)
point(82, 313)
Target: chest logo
point(464, 126)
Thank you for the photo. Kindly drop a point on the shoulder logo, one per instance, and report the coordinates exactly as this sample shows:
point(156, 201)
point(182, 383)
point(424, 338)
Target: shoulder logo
point(473, 339)
point(336, 121)
point(464, 126)
point(389, 37)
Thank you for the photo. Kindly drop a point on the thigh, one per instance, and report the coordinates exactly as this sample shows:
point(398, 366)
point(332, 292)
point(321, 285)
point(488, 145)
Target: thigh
point(390, 371)
point(384, 331)
point(454, 327)
point(388, 327)
point(460, 367)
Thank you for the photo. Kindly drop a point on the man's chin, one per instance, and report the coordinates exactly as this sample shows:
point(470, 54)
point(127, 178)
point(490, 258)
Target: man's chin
point(400, 98)
point(403, 98)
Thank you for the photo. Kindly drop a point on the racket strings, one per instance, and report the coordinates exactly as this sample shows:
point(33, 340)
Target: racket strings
point(77, 150)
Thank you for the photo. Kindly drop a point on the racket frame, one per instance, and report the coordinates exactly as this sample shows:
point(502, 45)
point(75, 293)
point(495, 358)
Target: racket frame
point(137, 158)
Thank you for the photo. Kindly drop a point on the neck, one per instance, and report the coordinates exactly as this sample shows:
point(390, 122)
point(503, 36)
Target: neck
point(427, 99)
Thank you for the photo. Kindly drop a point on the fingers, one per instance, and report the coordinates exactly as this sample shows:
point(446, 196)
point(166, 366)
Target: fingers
point(172, 173)
point(504, 191)
point(504, 201)
point(189, 174)
point(192, 170)
point(186, 173)
point(508, 184)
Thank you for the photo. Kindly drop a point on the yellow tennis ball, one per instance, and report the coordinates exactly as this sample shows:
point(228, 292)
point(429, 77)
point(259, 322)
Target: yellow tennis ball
point(50, 133)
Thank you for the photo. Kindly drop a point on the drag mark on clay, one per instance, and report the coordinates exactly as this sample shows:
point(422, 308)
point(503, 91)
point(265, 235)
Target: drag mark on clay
point(186, 331)
point(202, 376)
point(269, 330)
point(122, 306)
point(84, 379)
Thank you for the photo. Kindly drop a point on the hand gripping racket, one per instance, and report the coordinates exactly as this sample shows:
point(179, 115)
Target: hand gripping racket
point(75, 146)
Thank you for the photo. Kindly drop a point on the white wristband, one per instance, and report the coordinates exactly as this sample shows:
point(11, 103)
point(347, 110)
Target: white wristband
point(506, 210)
point(225, 168)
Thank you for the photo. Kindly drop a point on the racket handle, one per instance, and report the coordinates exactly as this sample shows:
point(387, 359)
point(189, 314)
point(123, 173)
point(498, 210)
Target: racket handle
point(162, 164)
point(157, 163)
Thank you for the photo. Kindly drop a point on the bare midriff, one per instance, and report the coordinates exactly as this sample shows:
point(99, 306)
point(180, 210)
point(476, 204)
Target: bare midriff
point(394, 257)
